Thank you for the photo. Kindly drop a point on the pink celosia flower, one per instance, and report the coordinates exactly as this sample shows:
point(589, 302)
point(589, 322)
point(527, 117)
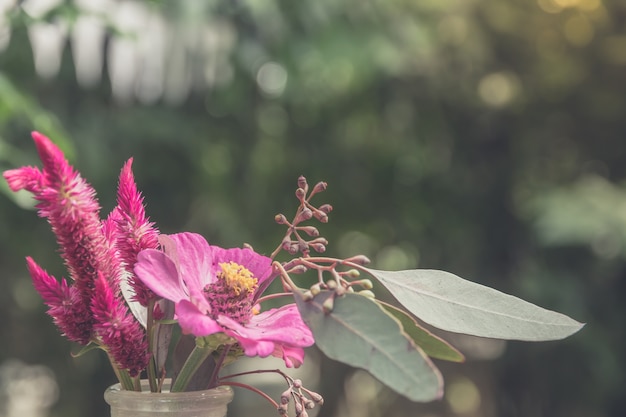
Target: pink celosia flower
point(119, 332)
point(215, 290)
point(88, 247)
point(69, 204)
point(134, 231)
point(61, 300)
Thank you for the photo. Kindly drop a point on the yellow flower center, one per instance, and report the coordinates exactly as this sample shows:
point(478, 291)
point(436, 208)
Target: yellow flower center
point(238, 278)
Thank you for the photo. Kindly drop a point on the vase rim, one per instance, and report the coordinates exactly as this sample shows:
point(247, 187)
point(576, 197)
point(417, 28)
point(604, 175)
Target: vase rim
point(115, 393)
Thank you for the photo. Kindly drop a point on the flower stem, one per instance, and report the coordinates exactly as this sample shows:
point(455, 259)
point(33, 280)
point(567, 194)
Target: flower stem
point(193, 362)
point(152, 379)
point(286, 278)
point(273, 296)
point(218, 365)
point(256, 371)
point(253, 389)
point(127, 383)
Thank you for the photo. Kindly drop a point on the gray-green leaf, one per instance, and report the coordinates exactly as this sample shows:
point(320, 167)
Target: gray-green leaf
point(358, 332)
point(451, 303)
point(432, 345)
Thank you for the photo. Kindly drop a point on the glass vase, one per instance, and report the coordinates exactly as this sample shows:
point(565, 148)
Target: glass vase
point(207, 403)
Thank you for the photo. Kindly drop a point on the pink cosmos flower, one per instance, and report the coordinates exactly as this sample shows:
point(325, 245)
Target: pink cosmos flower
point(215, 291)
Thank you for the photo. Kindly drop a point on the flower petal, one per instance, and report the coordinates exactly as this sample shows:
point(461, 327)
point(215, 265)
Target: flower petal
point(271, 331)
point(293, 356)
point(155, 269)
point(252, 348)
point(193, 321)
point(194, 260)
point(259, 265)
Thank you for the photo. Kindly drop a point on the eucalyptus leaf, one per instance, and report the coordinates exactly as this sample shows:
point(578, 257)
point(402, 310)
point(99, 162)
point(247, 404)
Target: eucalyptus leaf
point(451, 303)
point(432, 345)
point(358, 332)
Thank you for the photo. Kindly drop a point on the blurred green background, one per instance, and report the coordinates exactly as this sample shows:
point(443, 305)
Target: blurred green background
point(485, 138)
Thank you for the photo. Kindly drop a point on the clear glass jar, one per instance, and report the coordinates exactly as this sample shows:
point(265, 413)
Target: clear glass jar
point(207, 403)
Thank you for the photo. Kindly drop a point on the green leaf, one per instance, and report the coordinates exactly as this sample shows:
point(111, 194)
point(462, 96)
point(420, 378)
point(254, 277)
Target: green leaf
point(432, 345)
point(358, 332)
point(451, 303)
point(88, 348)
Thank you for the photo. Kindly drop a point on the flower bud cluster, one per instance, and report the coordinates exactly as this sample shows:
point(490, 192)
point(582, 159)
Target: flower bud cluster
point(303, 399)
point(294, 242)
point(339, 283)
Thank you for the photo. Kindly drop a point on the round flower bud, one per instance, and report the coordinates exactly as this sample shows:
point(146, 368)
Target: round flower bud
point(328, 304)
point(310, 230)
point(300, 194)
point(366, 284)
point(302, 182)
point(315, 289)
point(326, 208)
point(319, 187)
point(358, 259)
point(316, 397)
point(286, 243)
point(353, 273)
point(321, 216)
point(298, 269)
point(367, 293)
point(280, 219)
point(305, 214)
point(317, 247)
point(285, 397)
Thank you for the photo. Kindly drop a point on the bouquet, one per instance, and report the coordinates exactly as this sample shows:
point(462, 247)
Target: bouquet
point(174, 306)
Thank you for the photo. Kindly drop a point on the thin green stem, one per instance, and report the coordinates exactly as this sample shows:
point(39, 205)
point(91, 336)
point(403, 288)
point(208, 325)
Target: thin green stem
point(218, 365)
point(126, 381)
point(193, 362)
point(152, 378)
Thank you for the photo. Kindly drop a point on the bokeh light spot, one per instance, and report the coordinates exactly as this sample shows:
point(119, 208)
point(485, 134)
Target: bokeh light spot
point(549, 6)
point(272, 78)
point(498, 89)
point(463, 396)
point(395, 258)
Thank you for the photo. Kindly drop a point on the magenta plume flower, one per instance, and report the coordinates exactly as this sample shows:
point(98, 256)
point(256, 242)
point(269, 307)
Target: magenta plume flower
point(61, 301)
point(90, 309)
point(69, 204)
point(119, 332)
point(215, 290)
point(134, 231)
